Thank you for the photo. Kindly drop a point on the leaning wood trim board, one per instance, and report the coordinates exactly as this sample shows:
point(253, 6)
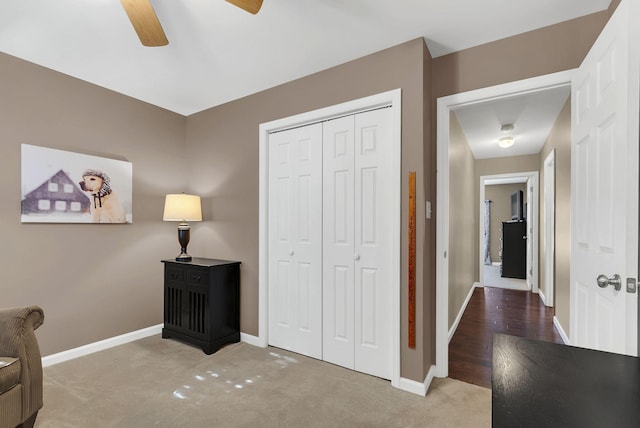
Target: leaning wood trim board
point(412, 260)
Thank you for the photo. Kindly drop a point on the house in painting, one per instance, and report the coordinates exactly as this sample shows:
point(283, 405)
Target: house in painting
point(59, 194)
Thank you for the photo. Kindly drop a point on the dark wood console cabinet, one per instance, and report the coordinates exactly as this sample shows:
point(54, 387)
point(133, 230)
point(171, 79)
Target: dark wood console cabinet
point(202, 302)
point(514, 249)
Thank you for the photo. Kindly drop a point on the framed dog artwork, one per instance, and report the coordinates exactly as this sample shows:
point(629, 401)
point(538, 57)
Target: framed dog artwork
point(66, 187)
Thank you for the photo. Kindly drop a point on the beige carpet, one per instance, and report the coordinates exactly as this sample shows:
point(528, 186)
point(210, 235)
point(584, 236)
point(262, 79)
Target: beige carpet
point(158, 382)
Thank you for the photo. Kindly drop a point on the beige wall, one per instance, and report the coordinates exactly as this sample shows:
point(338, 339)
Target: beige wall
point(500, 197)
point(560, 140)
point(546, 50)
point(505, 165)
point(463, 219)
point(428, 316)
point(93, 281)
point(223, 168)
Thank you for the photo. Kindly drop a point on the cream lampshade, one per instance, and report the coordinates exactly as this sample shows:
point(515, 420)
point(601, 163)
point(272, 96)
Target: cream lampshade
point(182, 208)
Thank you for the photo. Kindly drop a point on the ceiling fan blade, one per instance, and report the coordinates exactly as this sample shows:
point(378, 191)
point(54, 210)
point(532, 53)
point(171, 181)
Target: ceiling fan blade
point(251, 6)
point(145, 22)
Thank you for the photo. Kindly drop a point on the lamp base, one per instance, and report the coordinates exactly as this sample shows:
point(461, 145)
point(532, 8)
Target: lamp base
point(184, 258)
point(183, 239)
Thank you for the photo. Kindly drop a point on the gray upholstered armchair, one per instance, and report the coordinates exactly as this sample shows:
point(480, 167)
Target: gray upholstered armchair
point(20, 367)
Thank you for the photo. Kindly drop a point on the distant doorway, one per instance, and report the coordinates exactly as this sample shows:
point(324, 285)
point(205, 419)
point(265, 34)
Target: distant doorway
point(500, 187)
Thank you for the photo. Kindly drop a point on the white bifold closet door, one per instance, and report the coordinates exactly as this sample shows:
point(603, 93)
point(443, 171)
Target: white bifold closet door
point(330, 248)
point(295, 240)
point(357, 249)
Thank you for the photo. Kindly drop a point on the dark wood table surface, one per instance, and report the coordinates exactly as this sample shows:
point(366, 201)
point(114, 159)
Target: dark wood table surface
point(544, 384)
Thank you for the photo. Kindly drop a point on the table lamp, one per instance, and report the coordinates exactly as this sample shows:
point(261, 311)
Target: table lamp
point(182, 208)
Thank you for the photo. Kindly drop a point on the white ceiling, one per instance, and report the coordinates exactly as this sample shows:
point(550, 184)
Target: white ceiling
point(218, 53)
point(532, 115)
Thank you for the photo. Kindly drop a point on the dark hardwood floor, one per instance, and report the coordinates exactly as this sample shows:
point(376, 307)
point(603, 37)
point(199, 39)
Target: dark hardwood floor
point(495, 310)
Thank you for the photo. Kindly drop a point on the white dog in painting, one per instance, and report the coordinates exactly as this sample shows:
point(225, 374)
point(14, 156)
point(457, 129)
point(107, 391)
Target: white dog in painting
point(105, 206)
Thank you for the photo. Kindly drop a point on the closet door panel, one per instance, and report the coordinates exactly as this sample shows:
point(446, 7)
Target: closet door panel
point(372, 242)
point(281, 291)
point(295, 240)
point(281, 266)
point(369, 292)
point(338, 244)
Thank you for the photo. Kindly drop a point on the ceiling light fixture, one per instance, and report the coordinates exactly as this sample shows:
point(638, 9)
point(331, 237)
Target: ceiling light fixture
point(507, 127)
point(506, 142)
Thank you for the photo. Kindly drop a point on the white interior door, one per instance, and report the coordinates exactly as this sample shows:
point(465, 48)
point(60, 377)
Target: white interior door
point(604, 190)
point(373, 242)
point(358, 242)
point(295, 240)
point(338, 242)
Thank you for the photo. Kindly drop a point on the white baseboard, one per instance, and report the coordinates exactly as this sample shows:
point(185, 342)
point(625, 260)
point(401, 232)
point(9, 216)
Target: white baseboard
point(90, 348)
point(453, 328)
point(544, 299)
point(251, 339)
point(563, 334)
point(418, 388)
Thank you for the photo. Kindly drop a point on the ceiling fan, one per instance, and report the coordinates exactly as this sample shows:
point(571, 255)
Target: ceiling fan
point(145, 22)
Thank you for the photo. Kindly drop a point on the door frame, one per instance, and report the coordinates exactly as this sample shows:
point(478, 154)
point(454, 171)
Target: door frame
point(444, 107)
point(532, 222)
point(392, 99)
point(549, 199)
point(533, 240)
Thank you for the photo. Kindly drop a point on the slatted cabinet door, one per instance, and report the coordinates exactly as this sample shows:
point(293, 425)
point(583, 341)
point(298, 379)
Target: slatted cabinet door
point(174, 292)
point(295, 240)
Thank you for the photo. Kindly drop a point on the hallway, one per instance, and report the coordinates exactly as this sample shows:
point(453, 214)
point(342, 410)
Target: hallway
point(495, 310)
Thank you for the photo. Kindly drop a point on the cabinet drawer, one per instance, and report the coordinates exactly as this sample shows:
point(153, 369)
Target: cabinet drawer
point(197, 276)
point(175, 274)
